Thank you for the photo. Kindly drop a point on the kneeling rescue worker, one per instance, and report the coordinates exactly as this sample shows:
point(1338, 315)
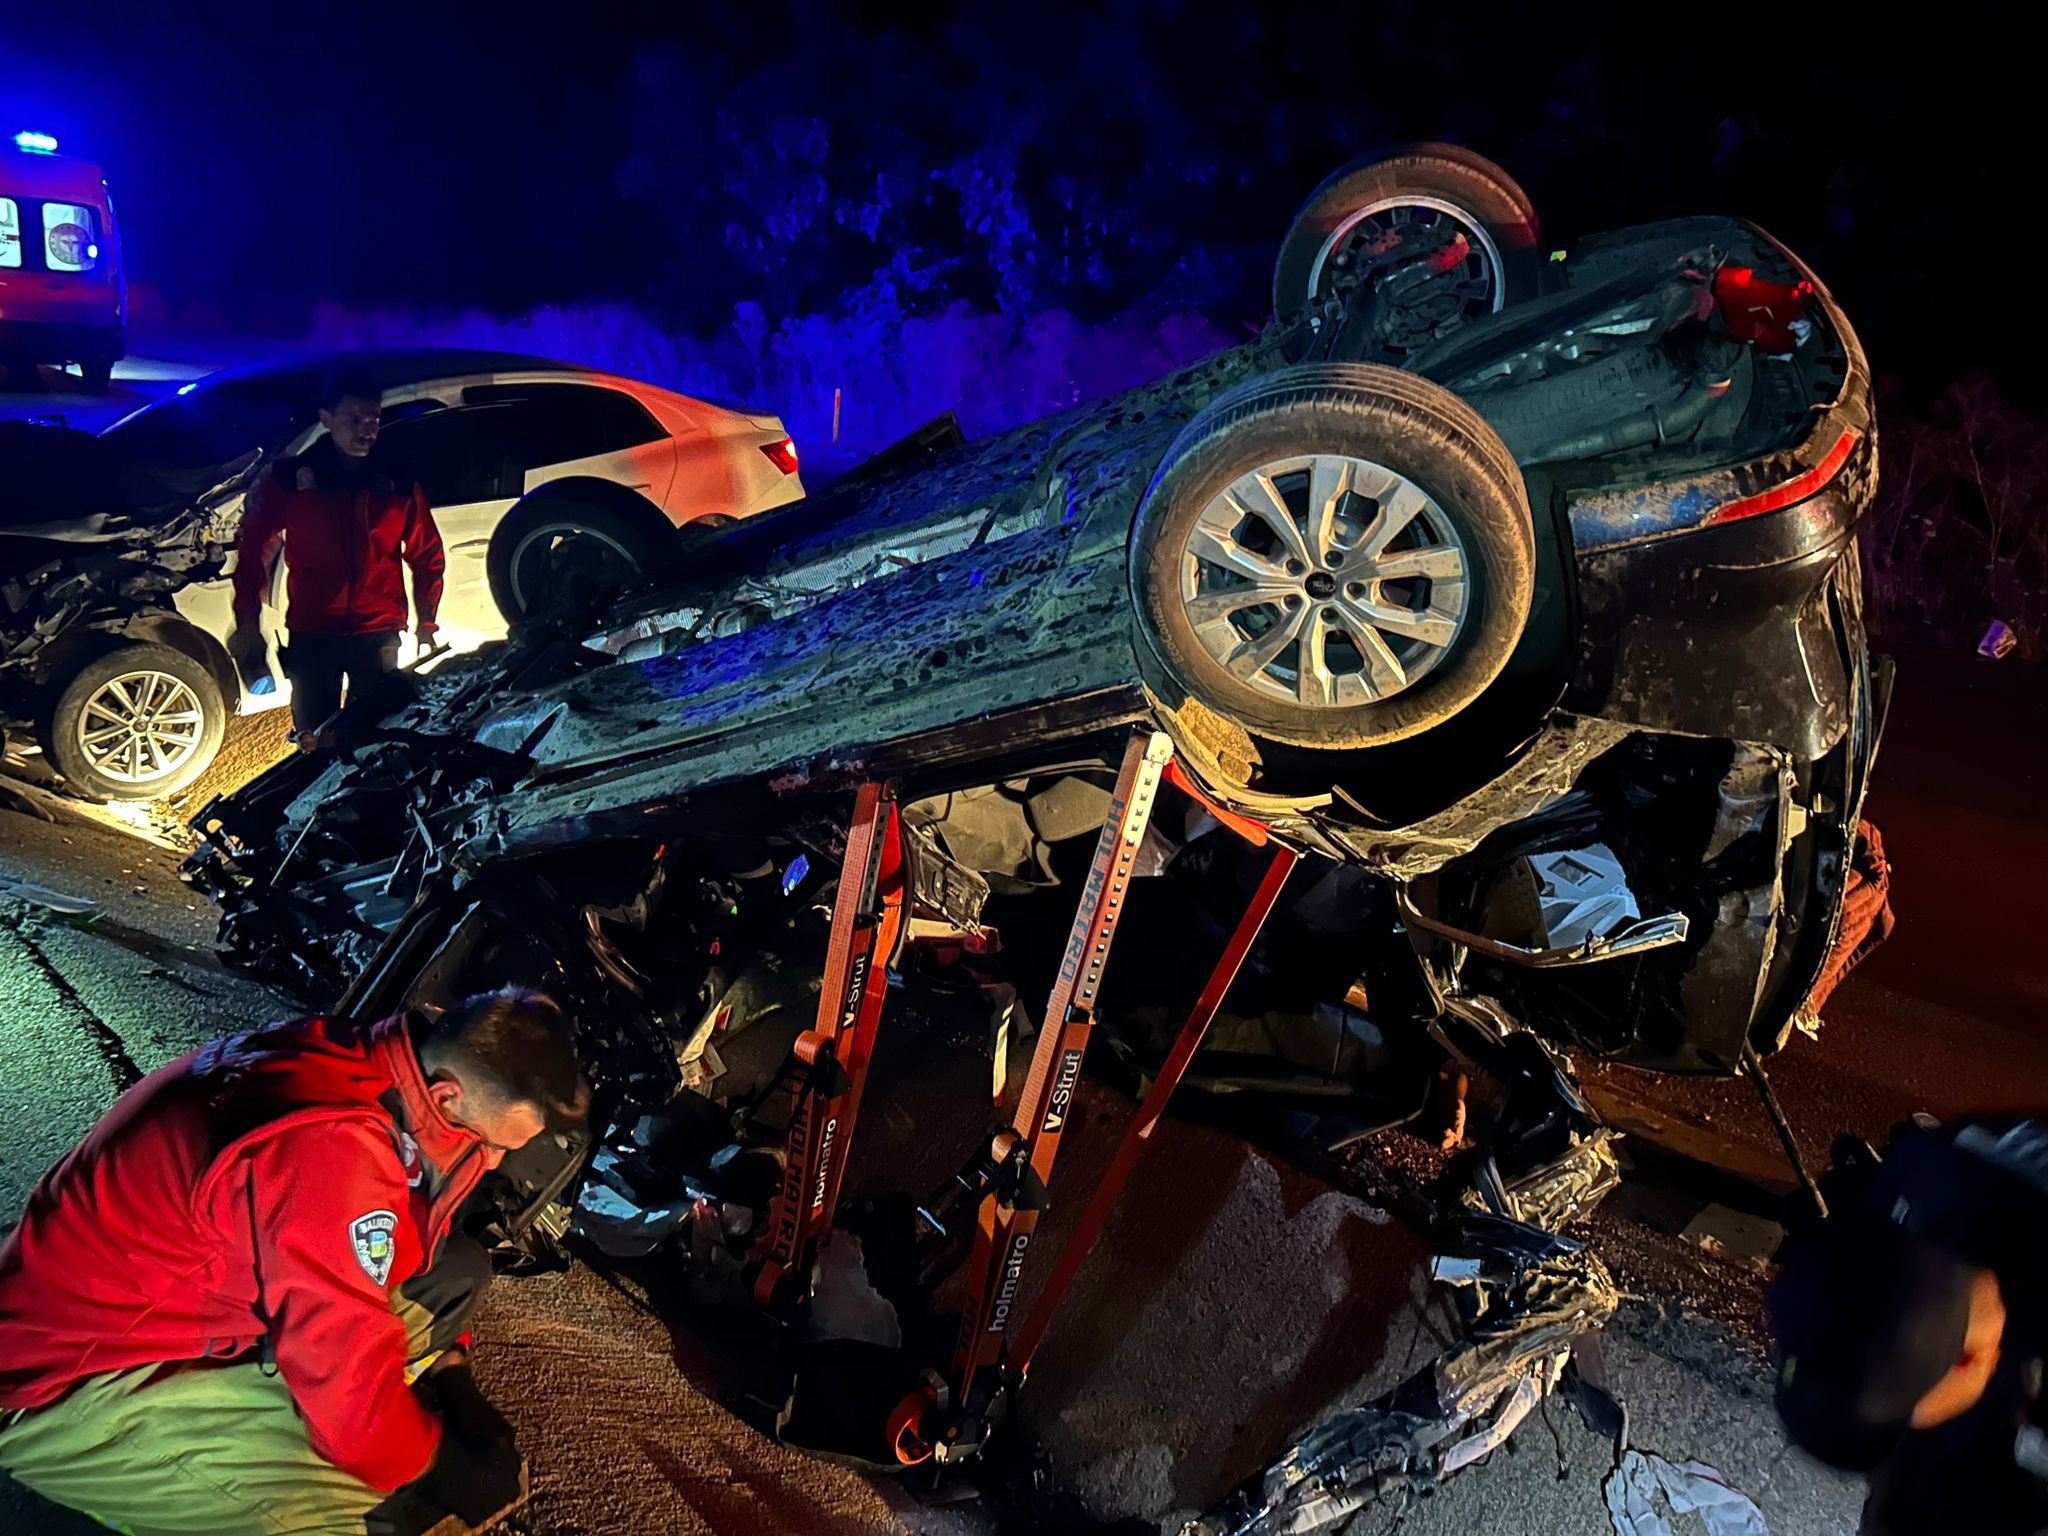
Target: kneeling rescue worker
point(1912, 1330)
point(237, 1306)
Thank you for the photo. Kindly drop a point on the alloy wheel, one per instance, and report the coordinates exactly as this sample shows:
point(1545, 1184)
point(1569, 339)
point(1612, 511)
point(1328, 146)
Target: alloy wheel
point(141, 726)
point(1325, 580)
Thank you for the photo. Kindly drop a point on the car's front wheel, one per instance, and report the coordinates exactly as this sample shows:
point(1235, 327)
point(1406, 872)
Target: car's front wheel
point(1335, 555)
point(135, 723)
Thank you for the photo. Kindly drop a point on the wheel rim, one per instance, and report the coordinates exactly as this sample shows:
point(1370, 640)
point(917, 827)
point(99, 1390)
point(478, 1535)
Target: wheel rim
point(1325, 581)
point(1479, 284)
point(140, 727)
point(532, 554)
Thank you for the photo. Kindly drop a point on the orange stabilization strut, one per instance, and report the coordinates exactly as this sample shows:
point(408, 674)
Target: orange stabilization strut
point(833, 1057)
point(947, 1419)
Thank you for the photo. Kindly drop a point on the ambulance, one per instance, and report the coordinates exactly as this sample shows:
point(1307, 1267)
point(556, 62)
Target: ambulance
point(62, 296)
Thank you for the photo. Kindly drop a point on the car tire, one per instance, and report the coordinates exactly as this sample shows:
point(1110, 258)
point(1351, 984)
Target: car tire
point(98, 374)
point(1442, 179)
point(1428, 544)
point(524, 546)
point(155, 678)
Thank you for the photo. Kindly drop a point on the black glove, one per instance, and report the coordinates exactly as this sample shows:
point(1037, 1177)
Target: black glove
point(476, 1472)
point(464, 1408)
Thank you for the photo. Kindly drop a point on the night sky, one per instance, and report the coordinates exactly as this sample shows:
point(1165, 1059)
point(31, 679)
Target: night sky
point(1097, 160)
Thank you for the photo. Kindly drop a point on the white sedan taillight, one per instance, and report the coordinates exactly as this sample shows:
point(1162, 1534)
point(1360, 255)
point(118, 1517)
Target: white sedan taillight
point(782, 455)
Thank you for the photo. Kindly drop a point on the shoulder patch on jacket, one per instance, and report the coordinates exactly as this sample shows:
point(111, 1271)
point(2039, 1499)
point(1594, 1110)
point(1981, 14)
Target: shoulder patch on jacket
point(370, 1234)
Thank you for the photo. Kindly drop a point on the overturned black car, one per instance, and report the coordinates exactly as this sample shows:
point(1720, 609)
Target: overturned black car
point(1519, 596)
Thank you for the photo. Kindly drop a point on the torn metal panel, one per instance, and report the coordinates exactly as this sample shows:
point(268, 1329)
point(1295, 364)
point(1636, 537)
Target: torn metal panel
point(1556, 1194)
point(1540, 777)
point(1727, 981)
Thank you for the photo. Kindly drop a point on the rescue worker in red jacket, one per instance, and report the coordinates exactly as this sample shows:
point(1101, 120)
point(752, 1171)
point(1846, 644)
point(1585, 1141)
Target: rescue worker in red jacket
point(347, 531)
point(212, 1308)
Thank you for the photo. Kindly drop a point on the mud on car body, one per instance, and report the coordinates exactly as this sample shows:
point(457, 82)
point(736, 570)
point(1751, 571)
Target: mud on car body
point(1521, 596)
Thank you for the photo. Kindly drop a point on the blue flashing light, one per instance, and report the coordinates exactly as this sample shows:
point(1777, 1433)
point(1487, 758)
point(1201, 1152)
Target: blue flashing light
point(794, 875)
point(36, 143)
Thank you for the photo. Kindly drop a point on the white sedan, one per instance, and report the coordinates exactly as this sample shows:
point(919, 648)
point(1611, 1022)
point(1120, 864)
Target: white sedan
point(515, 454)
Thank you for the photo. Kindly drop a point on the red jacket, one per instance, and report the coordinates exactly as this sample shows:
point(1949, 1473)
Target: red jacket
point(279, 1183)
point(345, 535)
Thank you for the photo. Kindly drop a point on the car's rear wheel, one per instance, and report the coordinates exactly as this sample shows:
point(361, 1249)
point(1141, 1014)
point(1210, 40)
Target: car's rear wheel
point(98, 373)
point(1335, 555)
point(135, 723)
point(1474, 232)
point(548, 546)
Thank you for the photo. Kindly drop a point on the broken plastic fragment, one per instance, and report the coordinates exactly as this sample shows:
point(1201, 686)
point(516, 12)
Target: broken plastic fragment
point(1998, 641)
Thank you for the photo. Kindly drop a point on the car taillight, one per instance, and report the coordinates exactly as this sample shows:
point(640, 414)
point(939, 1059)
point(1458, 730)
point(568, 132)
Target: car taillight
point(1798, 488)
point(782, 455)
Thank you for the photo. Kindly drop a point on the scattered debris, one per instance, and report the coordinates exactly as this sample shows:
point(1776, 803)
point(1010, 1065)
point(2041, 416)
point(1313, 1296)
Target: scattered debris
point(1526, 1297)
point(151, 820)
point(1998, 642)
point(1690, 1487)
point(1739, 1236)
